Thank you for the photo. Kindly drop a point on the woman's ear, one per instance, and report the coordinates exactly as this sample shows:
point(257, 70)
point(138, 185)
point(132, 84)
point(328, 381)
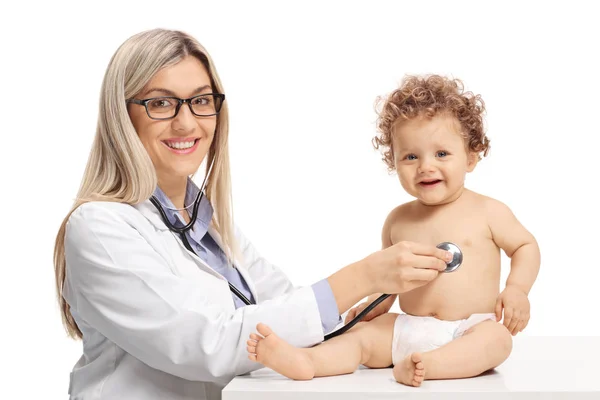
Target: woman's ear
point(472, 160)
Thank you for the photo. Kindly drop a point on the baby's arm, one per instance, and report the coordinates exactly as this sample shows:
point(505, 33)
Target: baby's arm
point(522, 248)
point(518, 244)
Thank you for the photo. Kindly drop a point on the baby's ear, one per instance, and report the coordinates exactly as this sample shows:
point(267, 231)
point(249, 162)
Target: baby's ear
point(472, 159)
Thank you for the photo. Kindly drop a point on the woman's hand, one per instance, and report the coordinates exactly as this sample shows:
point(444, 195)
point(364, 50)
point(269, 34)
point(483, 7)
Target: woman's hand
point(405, 266)
point(398, 268)
point(381, 308)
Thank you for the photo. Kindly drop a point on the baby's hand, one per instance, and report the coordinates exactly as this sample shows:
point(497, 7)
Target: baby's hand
point(380, 309)
point(516, 309)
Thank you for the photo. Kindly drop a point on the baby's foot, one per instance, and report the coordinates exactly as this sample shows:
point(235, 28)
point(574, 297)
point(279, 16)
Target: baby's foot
point(273, 352)
point(411, 371)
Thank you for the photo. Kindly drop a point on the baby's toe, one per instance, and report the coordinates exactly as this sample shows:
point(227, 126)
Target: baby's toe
point(263, 329)
point(416, 358)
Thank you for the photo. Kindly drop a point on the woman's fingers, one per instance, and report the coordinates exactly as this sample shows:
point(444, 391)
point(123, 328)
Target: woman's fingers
point(407, 265)
point(427, 262)
point(415, 275)
point(429, 251)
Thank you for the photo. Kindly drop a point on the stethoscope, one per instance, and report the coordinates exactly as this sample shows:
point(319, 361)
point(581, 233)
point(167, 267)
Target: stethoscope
point(451, 266)
point(181, 231)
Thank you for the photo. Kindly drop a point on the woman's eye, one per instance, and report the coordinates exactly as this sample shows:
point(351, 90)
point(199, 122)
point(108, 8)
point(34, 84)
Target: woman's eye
point(201, 101)
point(442, 153)
point(160, 103)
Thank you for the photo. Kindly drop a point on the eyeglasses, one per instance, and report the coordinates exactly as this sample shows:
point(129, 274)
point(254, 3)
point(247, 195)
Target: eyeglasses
point(204, 105)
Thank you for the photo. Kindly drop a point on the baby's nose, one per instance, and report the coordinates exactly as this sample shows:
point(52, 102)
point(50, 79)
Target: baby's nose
point(425, 166)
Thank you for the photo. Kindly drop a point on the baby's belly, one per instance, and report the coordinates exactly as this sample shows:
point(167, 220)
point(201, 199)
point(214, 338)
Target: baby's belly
point(455, 295)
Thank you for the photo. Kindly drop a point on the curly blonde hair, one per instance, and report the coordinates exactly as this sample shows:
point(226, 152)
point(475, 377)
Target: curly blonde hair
point(429, 96)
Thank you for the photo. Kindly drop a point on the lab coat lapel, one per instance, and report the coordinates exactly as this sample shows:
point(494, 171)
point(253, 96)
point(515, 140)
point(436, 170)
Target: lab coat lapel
point(151, 213)
point(238, 264)
point(153, 216)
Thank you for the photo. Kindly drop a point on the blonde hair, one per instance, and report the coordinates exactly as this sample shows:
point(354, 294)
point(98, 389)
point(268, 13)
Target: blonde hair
point(119, 169)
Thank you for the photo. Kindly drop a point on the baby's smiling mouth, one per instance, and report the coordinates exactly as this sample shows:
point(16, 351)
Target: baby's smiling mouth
point(430, 182)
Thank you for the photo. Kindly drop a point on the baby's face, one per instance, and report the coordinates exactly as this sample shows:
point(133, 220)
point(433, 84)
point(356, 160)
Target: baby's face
point(431, 158)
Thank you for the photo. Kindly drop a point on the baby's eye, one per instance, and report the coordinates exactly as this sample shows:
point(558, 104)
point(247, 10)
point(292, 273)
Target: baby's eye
point(441, 153)
point(411, 157)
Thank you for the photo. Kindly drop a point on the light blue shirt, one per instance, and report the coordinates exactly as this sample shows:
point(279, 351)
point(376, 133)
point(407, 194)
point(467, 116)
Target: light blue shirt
point(207, 249)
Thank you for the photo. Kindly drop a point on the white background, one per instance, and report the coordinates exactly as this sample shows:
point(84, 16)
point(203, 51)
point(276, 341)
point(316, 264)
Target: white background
point(301, 79)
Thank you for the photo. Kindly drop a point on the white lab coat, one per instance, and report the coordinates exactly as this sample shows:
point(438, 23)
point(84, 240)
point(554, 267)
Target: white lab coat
point(157, 322)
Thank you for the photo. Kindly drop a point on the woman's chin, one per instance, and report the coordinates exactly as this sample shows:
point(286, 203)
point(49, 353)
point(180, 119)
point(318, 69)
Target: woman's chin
point(177, 174)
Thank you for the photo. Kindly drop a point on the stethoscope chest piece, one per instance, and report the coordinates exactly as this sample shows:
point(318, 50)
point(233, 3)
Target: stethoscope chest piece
point(456, 253)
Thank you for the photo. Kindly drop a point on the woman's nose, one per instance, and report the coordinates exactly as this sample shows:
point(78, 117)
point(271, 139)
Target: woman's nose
point(184, 120)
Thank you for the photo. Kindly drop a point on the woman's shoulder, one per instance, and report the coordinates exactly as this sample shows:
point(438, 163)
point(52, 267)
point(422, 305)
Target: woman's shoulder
point(91, 207)
point(101, 212)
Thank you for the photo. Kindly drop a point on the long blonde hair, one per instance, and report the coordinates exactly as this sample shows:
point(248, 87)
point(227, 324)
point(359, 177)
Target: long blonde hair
point(119, 169)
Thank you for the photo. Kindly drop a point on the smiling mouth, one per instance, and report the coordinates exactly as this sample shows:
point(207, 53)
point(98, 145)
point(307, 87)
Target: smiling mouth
point(181, 145)
point(429, 183)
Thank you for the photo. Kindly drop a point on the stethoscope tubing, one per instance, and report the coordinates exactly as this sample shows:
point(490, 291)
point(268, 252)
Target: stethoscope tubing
point(358, 318)
point(452, 265)
point(181, 231)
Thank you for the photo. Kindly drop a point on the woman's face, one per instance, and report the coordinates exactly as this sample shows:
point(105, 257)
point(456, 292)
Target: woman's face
point(176, 146)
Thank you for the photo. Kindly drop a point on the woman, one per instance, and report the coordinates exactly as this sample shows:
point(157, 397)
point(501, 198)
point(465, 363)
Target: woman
point(153, 306)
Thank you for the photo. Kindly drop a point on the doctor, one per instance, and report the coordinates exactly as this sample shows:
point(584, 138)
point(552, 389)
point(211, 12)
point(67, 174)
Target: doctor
point(154, 307)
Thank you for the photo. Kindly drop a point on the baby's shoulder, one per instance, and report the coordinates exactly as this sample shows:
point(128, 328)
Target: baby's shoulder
point(402, 212)
point(478, 201)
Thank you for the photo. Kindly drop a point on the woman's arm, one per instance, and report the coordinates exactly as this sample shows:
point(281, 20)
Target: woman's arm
point(269, 282)
point(396, 268)
point(348, 285)
point(120, 285)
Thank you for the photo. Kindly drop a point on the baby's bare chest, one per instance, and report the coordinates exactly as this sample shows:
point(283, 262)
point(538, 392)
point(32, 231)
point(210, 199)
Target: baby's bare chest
point(468, 230)
point(469, 288)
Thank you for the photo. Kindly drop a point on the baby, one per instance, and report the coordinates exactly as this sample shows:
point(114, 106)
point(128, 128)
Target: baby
point(432, 135)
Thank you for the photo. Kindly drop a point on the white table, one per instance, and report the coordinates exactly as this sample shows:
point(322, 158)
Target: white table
point(539, 368)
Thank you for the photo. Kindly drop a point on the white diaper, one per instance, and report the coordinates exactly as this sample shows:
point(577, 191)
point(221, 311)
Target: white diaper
point(422, 334)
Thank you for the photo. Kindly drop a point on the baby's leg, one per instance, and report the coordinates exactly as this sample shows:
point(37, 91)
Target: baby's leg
point(483, 347)
point(367, 343)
